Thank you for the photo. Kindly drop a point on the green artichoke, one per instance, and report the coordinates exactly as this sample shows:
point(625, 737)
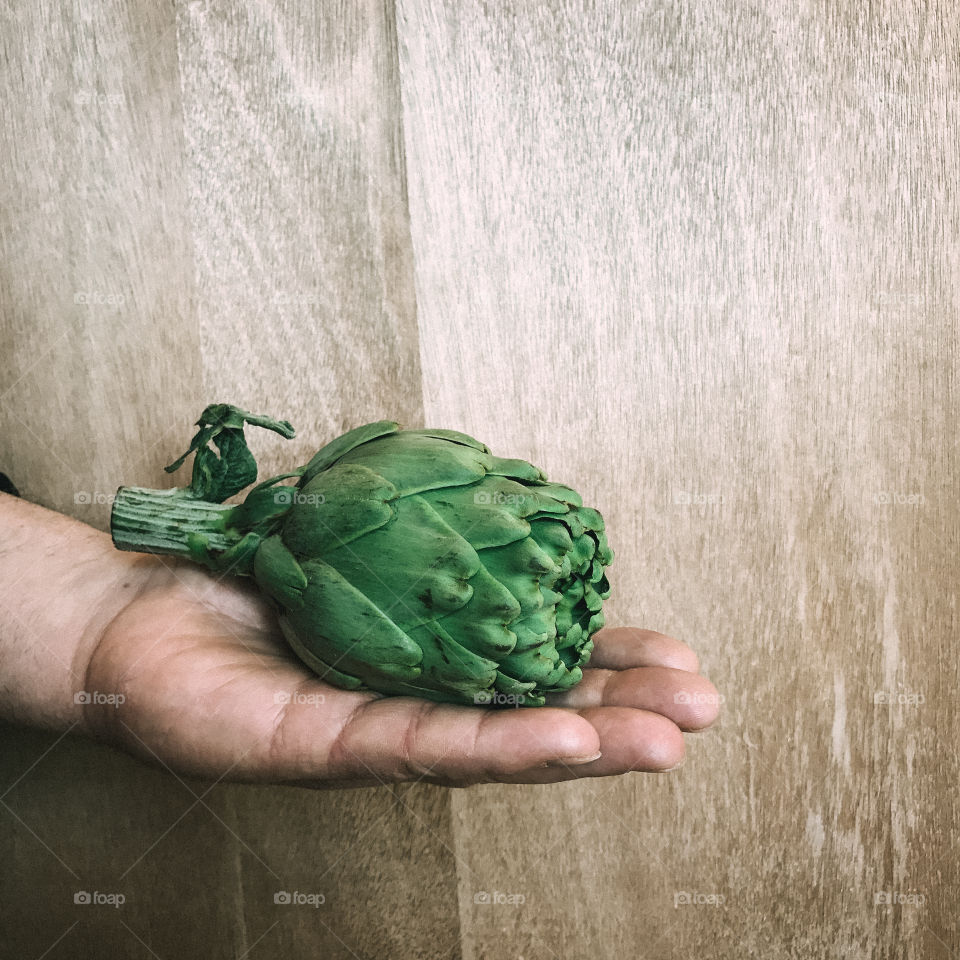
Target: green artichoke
point(407, 562)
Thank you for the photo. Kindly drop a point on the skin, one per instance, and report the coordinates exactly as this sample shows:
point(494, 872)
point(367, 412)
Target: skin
point(210, 689)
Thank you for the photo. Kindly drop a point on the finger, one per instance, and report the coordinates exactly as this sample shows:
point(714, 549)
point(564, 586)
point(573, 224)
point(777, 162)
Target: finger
point(619, 648)
point(400, 738)
point(630, 740)
point(689, 700)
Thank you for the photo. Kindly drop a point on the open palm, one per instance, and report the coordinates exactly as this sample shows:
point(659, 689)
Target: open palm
point(210, 688)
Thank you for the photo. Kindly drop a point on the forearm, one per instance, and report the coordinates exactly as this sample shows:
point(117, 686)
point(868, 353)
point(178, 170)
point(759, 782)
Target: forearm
point(61, 582)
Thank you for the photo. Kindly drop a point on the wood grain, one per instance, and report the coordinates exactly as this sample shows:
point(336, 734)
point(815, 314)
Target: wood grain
point(226, 187)
point(699, 260)
point(96, 274)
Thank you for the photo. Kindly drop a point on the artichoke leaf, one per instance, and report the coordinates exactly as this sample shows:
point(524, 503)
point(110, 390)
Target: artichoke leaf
point(449, 663)
point(336, 507)
point(420, 463)
point(278, 574)
point(328, 455)
point(415, 570)
point(348, 631)
point(454, 436)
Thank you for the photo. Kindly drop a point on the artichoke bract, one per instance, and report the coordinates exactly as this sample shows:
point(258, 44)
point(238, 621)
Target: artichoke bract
point(406, 562)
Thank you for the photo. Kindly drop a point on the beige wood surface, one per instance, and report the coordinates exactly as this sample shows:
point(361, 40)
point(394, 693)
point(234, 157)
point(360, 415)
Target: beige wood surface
point(707, 252)
point(698, 260)
point(225, 189)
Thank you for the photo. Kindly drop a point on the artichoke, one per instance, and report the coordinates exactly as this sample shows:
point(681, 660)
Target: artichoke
point(406, 562)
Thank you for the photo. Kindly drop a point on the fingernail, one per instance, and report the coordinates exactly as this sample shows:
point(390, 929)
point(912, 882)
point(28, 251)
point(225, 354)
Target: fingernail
point(573, 761)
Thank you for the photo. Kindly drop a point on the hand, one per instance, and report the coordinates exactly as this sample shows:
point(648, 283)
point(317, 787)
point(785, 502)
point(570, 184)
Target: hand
point(189, 672)
point(210, 688)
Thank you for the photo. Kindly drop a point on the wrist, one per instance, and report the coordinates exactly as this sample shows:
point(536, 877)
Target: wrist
point(62, 583)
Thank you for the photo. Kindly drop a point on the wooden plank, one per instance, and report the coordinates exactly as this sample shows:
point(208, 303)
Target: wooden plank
point(297, 195)
point(100, 360)
point(700, 261)
point(306, 310)
point(98, 345)
point(236, 176)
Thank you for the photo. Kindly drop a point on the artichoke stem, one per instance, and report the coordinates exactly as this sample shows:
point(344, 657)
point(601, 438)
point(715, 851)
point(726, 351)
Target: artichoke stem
point(170, 522)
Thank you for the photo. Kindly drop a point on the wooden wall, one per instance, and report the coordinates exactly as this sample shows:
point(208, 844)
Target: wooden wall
point(699, 260)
